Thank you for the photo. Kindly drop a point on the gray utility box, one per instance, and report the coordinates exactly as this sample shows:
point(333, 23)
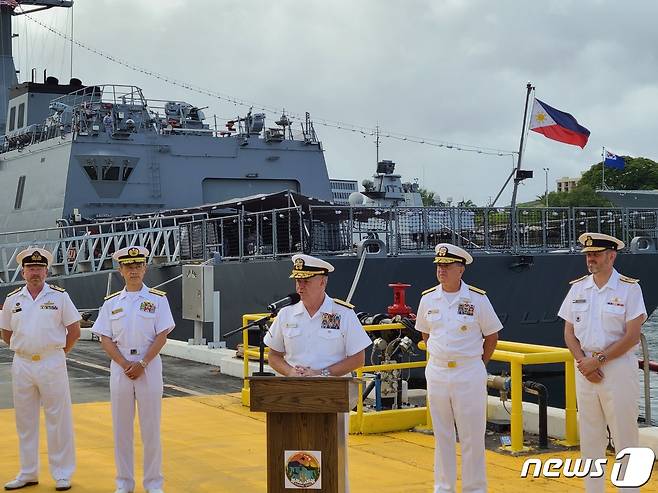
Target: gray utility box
point(198, 292)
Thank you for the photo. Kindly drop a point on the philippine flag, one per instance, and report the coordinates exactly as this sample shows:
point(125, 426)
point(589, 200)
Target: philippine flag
point(557, 125)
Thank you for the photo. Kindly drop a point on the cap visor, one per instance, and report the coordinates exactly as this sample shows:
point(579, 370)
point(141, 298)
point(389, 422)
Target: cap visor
point(446, 260)
point(298, 274)
point(594, 249)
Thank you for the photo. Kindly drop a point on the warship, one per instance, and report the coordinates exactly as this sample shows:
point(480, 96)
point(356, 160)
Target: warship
point(634, 199)
point(88, 169)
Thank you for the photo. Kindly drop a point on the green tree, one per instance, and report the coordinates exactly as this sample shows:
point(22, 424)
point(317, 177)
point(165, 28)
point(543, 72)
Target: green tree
point(581, 196)
point(429, 198)
point(639, 173)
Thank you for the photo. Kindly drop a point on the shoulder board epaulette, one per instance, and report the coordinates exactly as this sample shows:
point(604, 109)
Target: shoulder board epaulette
point(343, 303)
point(112, 295)
point(428, 290)
point(628, 279)
point(578, 280)
point(477, 290)
point(57, 288)
point(157, 292)
point(14, 291)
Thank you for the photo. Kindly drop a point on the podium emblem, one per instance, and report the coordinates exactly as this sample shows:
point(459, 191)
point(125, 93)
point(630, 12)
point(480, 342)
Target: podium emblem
point(303, 469)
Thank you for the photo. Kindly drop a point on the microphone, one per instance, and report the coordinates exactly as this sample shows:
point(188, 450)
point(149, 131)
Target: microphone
point(291, 299)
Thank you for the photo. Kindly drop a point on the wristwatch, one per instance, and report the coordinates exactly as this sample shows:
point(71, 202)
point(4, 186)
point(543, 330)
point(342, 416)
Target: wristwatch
point(601, 357)
point(325, 372)
point(143, 363)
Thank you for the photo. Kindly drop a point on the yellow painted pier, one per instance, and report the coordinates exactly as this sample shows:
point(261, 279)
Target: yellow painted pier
point(213, 444)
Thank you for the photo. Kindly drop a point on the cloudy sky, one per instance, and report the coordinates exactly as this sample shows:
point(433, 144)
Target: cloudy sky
point(441, 71)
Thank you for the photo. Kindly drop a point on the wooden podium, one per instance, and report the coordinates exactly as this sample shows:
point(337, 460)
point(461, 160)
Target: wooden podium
point(303, 415)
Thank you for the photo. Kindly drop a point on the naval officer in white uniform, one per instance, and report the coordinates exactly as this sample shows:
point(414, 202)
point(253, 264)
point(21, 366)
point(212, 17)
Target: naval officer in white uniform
point(318, 336)
point(41, 325)
point(603, 315)
point(133, 325)
point(460, 328)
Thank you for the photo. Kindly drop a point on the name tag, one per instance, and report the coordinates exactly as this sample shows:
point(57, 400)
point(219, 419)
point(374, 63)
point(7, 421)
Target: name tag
point(17, 309)
point(118, 310)
point(330, 321)
point(291, 326)
point(579, 301)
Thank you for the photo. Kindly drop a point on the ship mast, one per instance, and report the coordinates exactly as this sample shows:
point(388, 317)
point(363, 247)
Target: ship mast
point(7, 68)
point(520, 176)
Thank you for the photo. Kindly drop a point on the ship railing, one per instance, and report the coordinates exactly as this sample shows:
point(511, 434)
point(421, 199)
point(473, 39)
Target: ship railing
point(119, 225)
point(268, 234)
point(89, 247)
point(404, 230)
point(109, 94)
point(418, 229)
point(93, 252)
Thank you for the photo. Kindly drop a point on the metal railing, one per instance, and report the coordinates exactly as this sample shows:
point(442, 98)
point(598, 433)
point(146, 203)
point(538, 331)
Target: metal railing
point(403, 230)
point(328, 230)
point(270, 234)
point(515, 353)
point(518, 354)
point(89, 247)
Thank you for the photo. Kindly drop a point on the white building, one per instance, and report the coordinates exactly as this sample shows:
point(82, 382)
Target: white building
point(566, 184)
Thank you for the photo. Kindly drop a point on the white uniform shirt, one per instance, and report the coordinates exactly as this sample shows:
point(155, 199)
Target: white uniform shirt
point(38, 325)
point(599, 316)
point(331, 335)
point(133, 319)
point(456, 327)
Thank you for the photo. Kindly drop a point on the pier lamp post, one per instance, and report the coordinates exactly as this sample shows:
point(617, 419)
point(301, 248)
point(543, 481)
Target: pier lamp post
point(546, 170)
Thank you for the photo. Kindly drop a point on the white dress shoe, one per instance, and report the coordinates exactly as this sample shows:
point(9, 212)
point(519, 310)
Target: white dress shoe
point(20, 483)
point(123, 490)
point(62, 484)
point(156, 490)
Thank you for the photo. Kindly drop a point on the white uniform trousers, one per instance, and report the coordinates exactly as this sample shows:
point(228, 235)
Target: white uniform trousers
point(147, 392)
point(458, 396)
point(613, 401)
point(44, 382)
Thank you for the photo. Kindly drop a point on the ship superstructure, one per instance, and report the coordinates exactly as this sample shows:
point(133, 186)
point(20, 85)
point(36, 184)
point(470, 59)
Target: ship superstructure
point(105, 151)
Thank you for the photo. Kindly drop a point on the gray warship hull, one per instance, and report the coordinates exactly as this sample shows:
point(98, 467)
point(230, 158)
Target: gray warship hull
point(634, 199)
point(525, 296)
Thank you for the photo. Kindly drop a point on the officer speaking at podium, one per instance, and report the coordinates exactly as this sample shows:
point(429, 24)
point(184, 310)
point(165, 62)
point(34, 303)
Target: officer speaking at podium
point(318, 336)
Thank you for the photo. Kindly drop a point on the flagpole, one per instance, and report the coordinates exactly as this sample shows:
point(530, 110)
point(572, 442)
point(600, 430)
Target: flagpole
point(603, 167)
point(529, 89)
point(518, 162)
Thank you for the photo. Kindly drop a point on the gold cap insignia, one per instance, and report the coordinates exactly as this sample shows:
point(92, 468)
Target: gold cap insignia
point(589, 241)
point(442, 251)
point(299, 264)
point(36, 256)
point(133, 252)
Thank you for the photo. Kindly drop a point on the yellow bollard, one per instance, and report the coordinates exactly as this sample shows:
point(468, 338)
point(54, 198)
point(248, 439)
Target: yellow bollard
point(359, 402)
point(517, 407)
point(571, 423)
point(245, 347)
